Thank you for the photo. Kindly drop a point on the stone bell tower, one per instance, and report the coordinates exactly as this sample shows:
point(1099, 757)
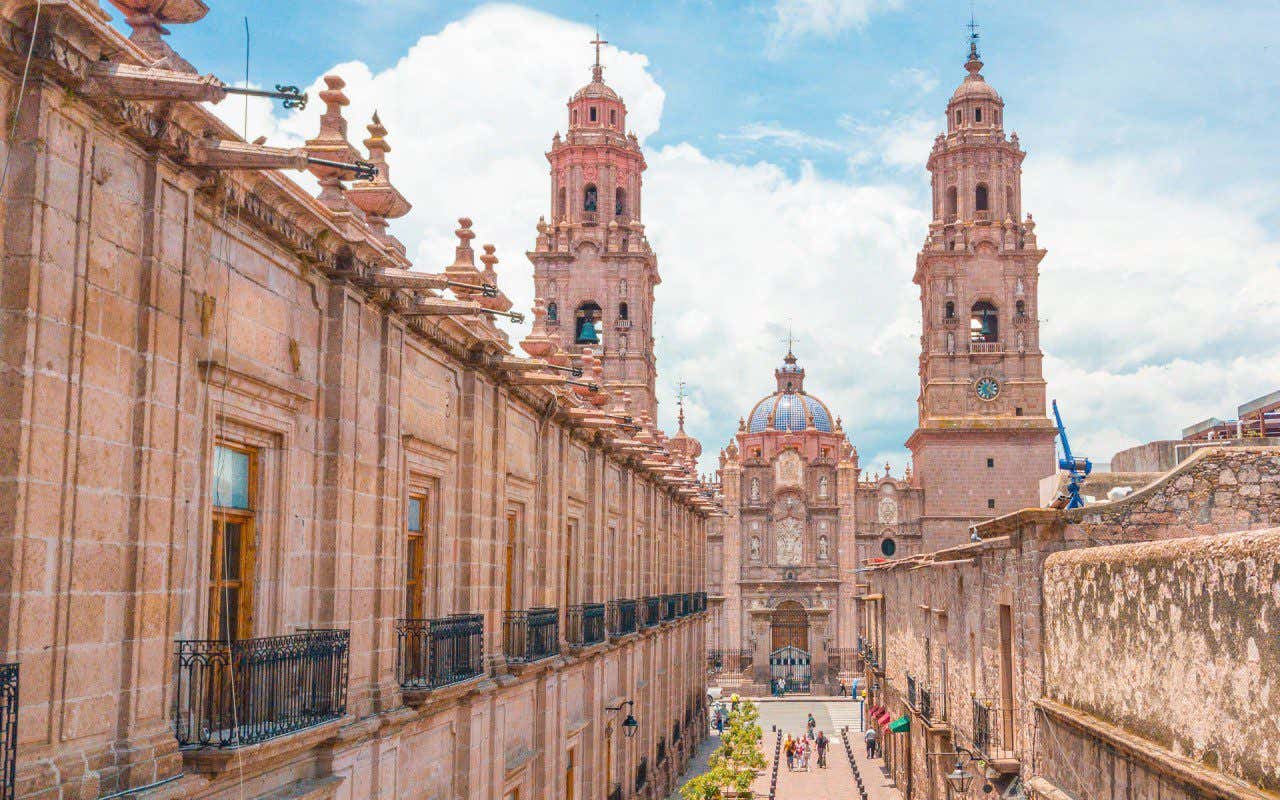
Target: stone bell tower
point(592, 264)
point(984, 440)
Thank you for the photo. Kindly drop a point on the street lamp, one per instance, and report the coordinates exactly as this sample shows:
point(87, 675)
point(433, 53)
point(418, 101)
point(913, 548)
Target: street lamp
point(959, 779)
point(629, 725)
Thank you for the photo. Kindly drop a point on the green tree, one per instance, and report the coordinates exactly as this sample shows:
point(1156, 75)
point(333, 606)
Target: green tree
point(735, 763)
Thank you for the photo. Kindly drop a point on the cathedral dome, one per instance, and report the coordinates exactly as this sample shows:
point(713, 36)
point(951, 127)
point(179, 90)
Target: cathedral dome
point(789, 411)
point(596, 90)
point(974, 86)
point(789, 408)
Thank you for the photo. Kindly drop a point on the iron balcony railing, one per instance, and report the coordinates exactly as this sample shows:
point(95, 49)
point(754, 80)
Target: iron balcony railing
point(670, 607)
point(642, 773)
point(700, 601)
point(926, 702)
point(662, 751)
point(870, 657)
point(622, 617)
point(911, 690)
point(586, 624)
point(992, 729)
point(230, 694)
point(437, 652)
point(686, 604)
point(531, 635)
point(8, 729)
point(652, 611)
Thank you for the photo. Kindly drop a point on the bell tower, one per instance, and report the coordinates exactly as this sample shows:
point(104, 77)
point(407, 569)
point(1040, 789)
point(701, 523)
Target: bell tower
point(984, 439)
point(592, 264)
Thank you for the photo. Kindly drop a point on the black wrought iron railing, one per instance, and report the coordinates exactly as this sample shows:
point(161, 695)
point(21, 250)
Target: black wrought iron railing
point(670, 606)
point(642, 773)
point(869, 655)
point(9, 674)
point(911, 690)
point(437, 652)
point(652, 611)
point(715, 661)
point(586, 624)
point(686, 604)
point(662, 751)
point(622, 617)
point(248, 691)
point(926, 702)
point(700, 601)
point(745, 659)
point(531, 635)
point(981, 726)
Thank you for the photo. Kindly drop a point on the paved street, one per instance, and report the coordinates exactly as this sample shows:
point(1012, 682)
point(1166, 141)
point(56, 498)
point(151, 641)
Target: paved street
point(836, 782)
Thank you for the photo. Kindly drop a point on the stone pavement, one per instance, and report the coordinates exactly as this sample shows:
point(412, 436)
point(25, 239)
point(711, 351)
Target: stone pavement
point(836, 781)
point(699, 763)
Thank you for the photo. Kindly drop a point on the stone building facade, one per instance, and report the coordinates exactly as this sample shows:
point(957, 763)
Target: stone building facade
point(799, 517)
point(982, 446)
point(1082, 653)
point(279, 518)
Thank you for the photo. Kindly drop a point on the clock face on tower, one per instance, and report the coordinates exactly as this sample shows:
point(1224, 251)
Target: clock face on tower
point(987, 388)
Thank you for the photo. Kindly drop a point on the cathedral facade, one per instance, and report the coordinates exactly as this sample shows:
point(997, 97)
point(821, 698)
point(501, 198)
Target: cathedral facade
point(801, 517)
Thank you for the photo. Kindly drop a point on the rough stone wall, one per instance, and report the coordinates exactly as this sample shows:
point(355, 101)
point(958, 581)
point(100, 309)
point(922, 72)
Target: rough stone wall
point(1158, 456)
point(1215, 490)
point(1174, 641)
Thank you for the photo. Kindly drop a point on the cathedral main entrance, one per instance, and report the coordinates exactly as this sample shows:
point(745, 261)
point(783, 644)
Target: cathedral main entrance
point(790, 658)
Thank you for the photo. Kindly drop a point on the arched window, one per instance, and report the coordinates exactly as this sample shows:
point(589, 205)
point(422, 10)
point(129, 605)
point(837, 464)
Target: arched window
point(586, 324)
point(589, 197)
point(622, 311)
point(561, 204)
point(977, 115)
point(1020, 308)
point(959, 116)
point(619, 202)
point(592, 115)
point(984, 324)
point(613, 116)
point(573, 117)
point(951, 204)
point(1009, 210)
point(980, 200)
point(950, 310)
point(553, 312)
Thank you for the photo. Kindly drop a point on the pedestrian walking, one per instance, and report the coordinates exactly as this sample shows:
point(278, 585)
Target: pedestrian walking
point(872, 739)
point(809, 726)
point(805, 747)
point(719, 723)
point(821, 743)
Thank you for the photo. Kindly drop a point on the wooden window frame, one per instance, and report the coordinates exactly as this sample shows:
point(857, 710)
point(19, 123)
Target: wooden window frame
point(415, 604)
point(247, 518)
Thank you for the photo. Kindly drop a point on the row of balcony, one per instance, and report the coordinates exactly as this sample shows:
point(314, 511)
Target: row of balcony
point(231, 694)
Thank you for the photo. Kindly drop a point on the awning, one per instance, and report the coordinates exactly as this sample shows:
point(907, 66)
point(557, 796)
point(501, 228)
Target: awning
point(900, 725)
point(883, 717)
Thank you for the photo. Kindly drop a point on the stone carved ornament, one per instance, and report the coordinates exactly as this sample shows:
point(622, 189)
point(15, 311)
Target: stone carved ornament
point(789, 532)
point(789, 469)
point(888, 511)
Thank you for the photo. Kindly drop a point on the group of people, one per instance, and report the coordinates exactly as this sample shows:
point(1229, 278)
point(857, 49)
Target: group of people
point(798, 750)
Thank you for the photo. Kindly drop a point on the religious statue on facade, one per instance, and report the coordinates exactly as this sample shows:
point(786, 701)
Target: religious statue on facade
point(755, 548)
point(790, 547)
point(755, 488)
point(823, 488)
point(823, 552)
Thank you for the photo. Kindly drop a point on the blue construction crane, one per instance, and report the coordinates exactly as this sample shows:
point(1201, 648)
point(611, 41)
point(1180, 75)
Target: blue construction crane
point(1078, 467)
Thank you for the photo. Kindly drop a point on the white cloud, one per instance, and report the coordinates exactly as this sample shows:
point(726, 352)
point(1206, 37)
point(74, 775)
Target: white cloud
point(916, 79)
point(780, 136)
point(793, 19)
point(1160, 304)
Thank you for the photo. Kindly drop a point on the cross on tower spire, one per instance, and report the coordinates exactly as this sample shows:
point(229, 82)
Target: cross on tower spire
point(973, 35)
point(680, 404)
point(597, 71)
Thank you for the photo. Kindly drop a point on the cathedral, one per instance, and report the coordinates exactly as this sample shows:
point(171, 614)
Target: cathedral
point(801, 517)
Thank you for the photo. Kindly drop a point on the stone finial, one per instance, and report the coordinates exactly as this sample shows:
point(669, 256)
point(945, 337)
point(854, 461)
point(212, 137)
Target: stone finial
point(378, 199)
point(147, 19)
point(742, 423)
point(331, 144)
point(463, 269)
point(490, 275)
point(537, 344)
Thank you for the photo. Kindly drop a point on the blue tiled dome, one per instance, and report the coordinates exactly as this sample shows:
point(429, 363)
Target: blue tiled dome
point(790, 411)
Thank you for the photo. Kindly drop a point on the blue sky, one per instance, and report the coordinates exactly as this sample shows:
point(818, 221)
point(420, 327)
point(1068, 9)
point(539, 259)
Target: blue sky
point(786, 141)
